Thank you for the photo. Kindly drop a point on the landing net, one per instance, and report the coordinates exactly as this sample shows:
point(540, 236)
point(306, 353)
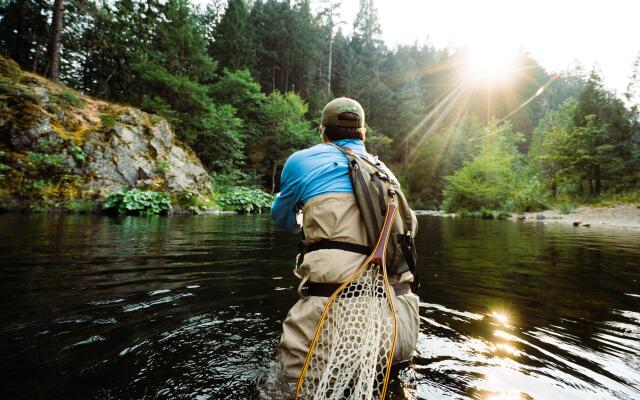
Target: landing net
point(351, 354)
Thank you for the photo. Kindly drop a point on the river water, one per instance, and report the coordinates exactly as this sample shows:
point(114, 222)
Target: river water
point(97, 307)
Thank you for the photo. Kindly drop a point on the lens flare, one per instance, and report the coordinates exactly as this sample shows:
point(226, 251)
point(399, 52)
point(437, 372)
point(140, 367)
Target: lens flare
point(489, 63)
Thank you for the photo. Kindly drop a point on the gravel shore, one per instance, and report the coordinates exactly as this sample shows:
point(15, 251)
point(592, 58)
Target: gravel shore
point(624, 216)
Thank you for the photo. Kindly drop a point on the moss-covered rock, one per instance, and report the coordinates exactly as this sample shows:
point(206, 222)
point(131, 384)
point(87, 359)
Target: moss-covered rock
point(60, 149)
point(9, 68)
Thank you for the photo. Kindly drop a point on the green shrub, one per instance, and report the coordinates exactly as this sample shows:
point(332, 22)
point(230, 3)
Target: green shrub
point(77, 152)
point(566, 208)
point(484, 213)
point(464, 213)
point(3, 169)
point(222, 182)
point(614, 199)
point(502, 215)
point(43, 204)
point(108, 119)
point(47, 165)
point(163, 166)
point(193, 202)
point(495, 179)
point(138, 202)
point(69, 98)
point(79, 206)
point(245, 200)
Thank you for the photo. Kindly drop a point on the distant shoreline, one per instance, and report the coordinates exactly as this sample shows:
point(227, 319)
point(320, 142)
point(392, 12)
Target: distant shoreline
point(622, 216)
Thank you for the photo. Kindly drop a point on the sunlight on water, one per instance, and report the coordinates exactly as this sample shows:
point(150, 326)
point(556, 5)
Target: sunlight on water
point(502, 318)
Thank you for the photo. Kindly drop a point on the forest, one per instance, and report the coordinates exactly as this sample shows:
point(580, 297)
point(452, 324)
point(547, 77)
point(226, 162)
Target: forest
point(244, 82)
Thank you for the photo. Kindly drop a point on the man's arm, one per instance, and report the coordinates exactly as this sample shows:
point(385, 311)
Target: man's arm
point(283, 209)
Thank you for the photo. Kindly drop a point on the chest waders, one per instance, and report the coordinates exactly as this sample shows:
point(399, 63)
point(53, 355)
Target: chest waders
point(351, 353)
point(373, 189)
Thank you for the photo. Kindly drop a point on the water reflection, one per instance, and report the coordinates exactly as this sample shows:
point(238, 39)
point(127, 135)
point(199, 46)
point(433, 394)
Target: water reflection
point(529, 312)
point(191, 307)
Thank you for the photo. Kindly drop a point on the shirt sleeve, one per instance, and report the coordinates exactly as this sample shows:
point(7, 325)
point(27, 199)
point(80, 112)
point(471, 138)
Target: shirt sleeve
point(283, 209)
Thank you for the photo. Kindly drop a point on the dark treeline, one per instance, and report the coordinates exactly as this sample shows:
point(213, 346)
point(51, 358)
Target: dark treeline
point(244, 82)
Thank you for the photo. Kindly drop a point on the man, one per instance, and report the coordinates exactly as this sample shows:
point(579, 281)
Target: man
point(316, 181)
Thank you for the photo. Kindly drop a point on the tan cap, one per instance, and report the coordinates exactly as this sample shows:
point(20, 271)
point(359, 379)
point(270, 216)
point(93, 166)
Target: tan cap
point(332, 111)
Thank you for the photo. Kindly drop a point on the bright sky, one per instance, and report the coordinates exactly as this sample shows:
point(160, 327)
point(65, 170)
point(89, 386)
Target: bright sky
point(558, 33)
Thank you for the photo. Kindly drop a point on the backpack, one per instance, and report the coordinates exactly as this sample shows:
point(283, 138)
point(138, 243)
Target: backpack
point(374, 188)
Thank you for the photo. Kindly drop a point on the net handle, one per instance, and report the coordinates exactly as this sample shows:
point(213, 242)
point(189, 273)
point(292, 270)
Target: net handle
point(379, 254)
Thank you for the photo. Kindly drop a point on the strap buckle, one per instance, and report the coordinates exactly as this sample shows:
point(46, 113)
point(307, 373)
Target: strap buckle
point(296, 266)
point(303, 289)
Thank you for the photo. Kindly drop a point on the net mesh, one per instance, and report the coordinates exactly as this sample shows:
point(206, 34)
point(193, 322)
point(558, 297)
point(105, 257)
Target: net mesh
point(353, 348)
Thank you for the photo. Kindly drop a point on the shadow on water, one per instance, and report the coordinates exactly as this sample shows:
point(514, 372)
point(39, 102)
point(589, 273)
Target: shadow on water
point(190, 307)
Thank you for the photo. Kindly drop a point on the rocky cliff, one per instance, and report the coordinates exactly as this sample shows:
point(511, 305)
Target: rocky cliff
point(61, 149)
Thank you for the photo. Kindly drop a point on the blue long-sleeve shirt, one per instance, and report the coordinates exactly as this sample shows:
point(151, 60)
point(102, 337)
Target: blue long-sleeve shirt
point(320, 169)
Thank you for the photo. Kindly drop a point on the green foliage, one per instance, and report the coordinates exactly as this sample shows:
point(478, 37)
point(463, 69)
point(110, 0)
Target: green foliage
point(483, 213)
point(42, 204)
point(244, 88)
point(193, 202)
point(566, 208)
point(224, 182)
point(220, 142)
point(47, 165)
point(588, 147)
point(286, 129)
point(163, 166)
point(440, 155)
point(4, 168)
point(495, 179)
point(81, 206)
point(108, 119)
point(138, 202)
point(67, 98)
point(233, 44)
point(245, 200)
point(77, 153)
point(614, 199)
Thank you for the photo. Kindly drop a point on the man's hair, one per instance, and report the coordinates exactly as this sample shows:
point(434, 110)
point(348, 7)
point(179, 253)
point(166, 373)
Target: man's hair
point(342, 132)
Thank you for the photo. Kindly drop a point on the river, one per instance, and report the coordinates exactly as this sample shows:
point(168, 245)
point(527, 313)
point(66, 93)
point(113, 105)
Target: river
point(190, 307)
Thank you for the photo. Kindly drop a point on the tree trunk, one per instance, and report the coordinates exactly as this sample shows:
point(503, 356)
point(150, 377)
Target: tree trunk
point(19, 53)
point(53, 66)
point(598, 180)
point(330, 58)
point(273, 77)
point(273, 177)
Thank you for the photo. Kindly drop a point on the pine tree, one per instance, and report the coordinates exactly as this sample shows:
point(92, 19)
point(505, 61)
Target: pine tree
point(234, 46)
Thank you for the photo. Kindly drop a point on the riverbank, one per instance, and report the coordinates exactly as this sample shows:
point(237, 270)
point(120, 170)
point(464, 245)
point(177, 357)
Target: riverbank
point(620, 216)
point(623, 216)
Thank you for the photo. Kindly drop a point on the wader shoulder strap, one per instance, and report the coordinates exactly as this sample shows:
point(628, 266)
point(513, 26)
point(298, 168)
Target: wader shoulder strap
point(372, 220)
point(351, 153)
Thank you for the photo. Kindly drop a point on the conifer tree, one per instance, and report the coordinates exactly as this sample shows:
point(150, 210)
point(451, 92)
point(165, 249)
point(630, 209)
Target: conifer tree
point(234, 46)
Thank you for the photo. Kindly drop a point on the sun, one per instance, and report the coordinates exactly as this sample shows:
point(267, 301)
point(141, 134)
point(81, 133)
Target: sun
point(489, 62)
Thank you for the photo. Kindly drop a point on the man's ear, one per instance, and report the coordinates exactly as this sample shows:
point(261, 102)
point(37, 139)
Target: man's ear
point(325, 139)
point(363, 130)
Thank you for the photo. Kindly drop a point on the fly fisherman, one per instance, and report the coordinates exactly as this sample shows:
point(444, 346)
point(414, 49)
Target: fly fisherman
point(316, 182)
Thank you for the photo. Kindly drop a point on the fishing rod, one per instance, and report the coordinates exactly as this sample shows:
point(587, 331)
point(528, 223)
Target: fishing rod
point(520, 107)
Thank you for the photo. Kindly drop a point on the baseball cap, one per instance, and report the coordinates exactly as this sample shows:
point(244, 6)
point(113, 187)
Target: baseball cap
point(336, 107)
